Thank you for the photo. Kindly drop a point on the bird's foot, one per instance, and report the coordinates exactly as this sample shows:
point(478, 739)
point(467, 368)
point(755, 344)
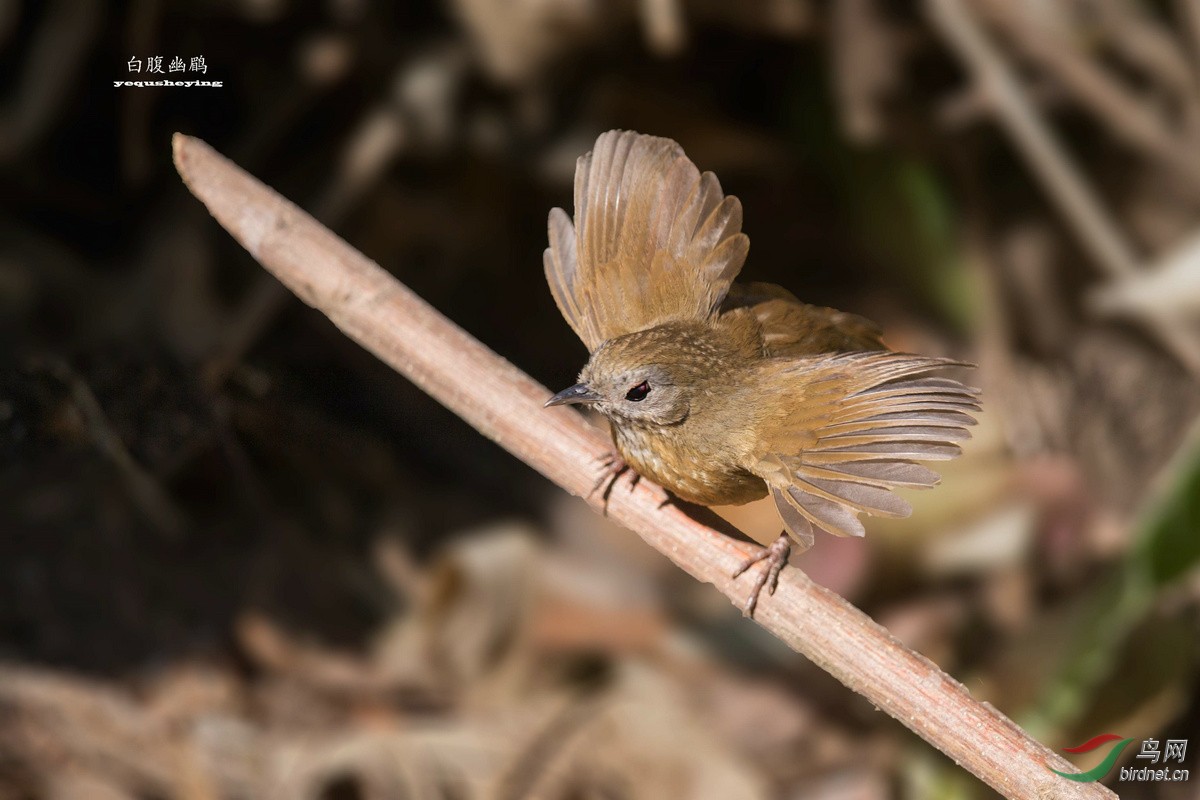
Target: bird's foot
point(613, 468)
point(776, 557)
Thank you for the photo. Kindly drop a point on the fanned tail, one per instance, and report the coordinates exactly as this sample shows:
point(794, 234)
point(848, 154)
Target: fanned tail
point(858, 424)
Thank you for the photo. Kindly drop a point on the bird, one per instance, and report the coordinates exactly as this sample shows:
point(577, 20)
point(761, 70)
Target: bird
point(724, 393)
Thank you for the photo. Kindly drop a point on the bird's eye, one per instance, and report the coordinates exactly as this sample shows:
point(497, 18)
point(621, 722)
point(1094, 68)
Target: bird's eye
point(638, 393)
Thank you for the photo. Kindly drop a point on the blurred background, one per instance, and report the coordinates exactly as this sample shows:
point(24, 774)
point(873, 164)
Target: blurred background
point(240, 558)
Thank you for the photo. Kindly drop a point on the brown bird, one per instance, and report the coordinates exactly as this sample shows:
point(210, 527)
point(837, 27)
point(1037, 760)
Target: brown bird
point(724, 393)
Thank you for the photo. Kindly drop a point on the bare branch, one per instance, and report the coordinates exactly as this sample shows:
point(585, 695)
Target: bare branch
point(1189, 12)
point(1125, 115)
point(1049, 162)
point(506, 406)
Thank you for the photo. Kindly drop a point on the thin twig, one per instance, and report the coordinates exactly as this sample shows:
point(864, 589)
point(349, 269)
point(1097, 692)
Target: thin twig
point(1062, 179)
point(148, 495)
point(1049, 162)
point(1096, 89)
point(505, 405)
point(1189, 12)
point(1143, 42)
point(866, 59)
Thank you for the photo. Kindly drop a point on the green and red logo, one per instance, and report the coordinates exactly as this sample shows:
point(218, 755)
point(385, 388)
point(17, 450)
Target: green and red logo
point(1104, 767)
point(1152, 762)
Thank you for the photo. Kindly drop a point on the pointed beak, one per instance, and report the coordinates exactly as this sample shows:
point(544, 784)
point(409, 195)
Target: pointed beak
point(579, 393)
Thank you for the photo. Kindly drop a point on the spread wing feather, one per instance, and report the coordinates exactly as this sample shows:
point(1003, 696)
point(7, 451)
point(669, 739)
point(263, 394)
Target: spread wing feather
point(653, 240)
point(790, 327)
point(857, 423)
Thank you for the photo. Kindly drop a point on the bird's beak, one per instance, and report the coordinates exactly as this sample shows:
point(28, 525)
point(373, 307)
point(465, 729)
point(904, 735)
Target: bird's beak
point(579, 393)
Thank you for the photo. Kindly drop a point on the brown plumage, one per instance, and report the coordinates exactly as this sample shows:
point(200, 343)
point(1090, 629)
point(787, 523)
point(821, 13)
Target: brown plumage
point(724, 393)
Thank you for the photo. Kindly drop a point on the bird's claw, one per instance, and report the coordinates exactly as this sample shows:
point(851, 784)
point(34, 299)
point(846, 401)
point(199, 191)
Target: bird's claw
point(613, 468)
point(776, 556)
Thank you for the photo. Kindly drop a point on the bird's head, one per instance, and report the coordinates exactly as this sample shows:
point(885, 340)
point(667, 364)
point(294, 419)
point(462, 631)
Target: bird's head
point(648, 377)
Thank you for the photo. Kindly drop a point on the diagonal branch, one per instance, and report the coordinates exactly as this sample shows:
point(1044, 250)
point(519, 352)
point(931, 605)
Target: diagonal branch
point(505, 405)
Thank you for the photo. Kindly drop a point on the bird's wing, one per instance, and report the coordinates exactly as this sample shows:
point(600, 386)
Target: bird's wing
point(852, 428)
point(792, 328)
point(653, 240)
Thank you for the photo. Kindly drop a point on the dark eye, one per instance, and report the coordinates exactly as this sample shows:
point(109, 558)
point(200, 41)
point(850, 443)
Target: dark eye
point(638, 393)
